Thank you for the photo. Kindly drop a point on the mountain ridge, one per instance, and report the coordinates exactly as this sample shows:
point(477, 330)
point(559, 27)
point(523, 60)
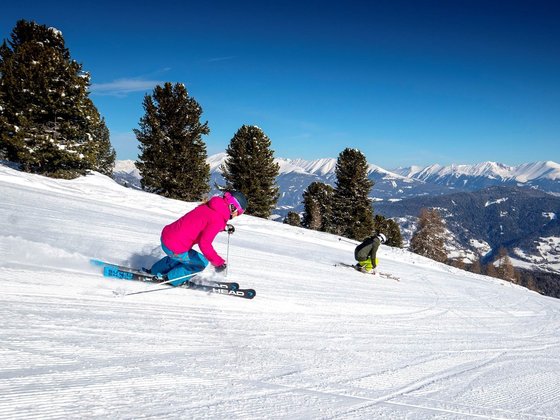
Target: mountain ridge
point(521, 173)
point(401, 183)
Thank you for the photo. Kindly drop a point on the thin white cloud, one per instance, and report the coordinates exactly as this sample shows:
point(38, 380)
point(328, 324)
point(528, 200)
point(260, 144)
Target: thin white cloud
point(215, 59)
point(123, 87)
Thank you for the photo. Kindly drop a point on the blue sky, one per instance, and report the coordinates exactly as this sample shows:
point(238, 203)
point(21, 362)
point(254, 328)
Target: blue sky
point(406, 82)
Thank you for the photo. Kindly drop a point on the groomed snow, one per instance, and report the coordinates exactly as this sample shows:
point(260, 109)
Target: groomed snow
point(319, 341)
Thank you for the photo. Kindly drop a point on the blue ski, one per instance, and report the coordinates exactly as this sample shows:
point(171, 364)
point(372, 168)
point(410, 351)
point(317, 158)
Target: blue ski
point(195, 282)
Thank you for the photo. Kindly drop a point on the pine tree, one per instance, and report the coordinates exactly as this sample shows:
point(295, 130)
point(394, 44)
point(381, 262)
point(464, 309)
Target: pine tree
point(48, 124)
point(394, 236)
point(172, 159)
point(250, 168)
point(429, 238)
point(317, 204)
point(105, 160)
point(352, 209)
point(529, 282)
point(292, 219)
point(390, 228)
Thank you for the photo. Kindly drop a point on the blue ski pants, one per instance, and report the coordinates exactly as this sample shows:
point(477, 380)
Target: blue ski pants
point(179, 266)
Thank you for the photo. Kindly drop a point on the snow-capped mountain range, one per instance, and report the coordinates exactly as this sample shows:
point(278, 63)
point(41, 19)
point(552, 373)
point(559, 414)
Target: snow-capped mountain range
point(390, 185)
point(543, 175)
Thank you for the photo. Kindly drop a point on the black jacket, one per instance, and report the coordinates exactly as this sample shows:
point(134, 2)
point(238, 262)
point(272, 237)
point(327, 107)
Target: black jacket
point(367, 249)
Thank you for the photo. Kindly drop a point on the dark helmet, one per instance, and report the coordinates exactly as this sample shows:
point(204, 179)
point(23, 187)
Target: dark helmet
point(238, 200)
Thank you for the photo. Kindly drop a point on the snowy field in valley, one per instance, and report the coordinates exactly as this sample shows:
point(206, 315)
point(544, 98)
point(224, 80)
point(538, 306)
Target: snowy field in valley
point(319, 341)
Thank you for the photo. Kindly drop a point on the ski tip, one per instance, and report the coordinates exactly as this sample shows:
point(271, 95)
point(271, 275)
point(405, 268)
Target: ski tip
point(95, 261)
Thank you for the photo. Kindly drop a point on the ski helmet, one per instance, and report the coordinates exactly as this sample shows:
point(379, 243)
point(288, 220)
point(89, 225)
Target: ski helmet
point(238, 200)
point(382, 238)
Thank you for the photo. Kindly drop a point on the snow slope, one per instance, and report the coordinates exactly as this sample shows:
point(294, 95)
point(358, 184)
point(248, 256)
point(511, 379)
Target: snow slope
point(318, 341)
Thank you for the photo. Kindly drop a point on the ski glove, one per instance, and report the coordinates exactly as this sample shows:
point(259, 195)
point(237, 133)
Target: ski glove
point(220, 268)
point(230, 229)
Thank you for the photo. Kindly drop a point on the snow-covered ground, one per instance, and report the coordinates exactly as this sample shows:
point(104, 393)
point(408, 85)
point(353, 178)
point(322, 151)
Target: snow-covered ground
point(318, 341)
point(547, 259)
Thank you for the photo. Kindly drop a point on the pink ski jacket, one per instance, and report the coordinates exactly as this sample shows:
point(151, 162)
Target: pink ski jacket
point(199, 226)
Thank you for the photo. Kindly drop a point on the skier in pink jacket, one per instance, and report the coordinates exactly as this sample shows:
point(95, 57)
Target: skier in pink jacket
point(198, 227)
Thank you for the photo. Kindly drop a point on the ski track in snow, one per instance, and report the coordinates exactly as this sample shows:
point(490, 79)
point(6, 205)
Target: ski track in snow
point(318, 341)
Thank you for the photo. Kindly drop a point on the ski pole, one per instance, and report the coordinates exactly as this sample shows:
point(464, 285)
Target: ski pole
point(161, 284)
point(347, 240)
point(186, 276)
point(227, 254)
point(148, 291)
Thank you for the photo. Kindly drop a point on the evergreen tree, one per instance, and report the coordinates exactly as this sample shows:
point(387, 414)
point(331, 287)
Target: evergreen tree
point(352, 209)
point(48, 124)
point(5, 149)
point(250, 168)
point(172, 159)
point(292, 219)
point(529, 282)
point(394, 236)
point(105, 160)
point(390, 228)
point(317, 204)
point(429, 238)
